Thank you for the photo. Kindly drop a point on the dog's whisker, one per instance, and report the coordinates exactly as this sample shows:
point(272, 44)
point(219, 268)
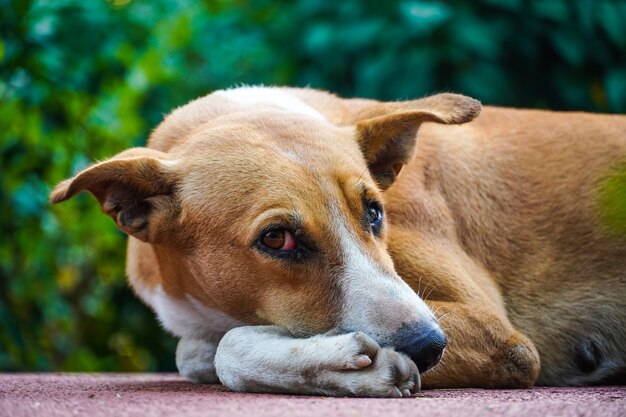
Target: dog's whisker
point(419, 284)
point(426, 287)
point(429, 292)
point(442, 316)
point(359, 183)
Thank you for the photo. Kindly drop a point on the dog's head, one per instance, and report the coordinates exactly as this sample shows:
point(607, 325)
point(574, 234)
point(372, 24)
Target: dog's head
point(278, 217)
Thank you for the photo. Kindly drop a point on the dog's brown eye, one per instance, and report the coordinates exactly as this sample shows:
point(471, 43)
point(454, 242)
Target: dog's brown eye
point(279, 242)
point(279, 239)
point(274, 239)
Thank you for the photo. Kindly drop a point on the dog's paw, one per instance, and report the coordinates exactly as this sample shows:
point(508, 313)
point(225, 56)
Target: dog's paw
point(268, 359)
point(391, 374)
point(352, 351)
point(519, 364)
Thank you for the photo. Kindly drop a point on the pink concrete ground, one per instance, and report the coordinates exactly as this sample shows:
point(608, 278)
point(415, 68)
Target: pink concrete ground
point(150, 395)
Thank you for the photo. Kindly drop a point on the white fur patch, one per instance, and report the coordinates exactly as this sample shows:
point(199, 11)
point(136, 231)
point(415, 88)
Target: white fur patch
point(375, 302)
point(187, 317)
point(251, 96)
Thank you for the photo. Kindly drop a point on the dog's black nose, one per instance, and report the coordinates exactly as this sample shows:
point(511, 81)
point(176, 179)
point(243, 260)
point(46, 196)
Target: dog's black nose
point(424, 343)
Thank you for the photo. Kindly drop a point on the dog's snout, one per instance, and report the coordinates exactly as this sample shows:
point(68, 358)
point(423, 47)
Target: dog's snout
point(424, 343)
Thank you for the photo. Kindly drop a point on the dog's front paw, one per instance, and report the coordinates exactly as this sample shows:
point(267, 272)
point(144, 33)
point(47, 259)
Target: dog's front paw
point(388, 373)
point(268, 359)
point(519, 362)
point(351, 351)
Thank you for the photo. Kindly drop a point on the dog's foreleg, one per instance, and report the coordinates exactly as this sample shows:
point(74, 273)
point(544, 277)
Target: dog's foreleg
point(484, 350)
point(195, 359)
point(270, 359)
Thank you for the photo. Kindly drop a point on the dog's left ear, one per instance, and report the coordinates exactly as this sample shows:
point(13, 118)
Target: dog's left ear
point(387, 132)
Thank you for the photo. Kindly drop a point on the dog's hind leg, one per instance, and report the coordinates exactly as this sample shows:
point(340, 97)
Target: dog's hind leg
point(270, 359)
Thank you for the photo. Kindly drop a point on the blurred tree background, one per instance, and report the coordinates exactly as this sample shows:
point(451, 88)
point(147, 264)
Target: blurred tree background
point(81, 80)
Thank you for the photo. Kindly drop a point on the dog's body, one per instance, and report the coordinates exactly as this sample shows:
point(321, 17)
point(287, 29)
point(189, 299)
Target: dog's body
point(263, 206)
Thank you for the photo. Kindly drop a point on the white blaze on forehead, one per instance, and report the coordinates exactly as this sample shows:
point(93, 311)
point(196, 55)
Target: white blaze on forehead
point(250, 96)
point(374, 301)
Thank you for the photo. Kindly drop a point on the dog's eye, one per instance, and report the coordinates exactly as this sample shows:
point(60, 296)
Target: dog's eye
point(375, 216)
point(279, 239)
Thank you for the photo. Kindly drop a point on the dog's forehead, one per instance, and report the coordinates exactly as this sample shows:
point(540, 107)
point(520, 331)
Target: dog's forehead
point(272, 142)
point(299, 169)
point(273, 125)
point(263, 161)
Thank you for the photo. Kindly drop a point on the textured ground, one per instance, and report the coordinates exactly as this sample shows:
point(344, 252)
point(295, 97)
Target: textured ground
point(149, 395)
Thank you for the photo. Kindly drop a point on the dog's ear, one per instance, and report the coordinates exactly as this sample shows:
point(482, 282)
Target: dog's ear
point(135, 187)
point(387, 132)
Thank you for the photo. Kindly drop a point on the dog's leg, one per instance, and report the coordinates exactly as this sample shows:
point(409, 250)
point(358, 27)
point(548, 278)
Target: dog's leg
point(269, 359)
point(195, 359)
point(484, 350)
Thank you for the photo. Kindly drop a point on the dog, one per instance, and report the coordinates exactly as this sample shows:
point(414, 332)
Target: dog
point(298, 242)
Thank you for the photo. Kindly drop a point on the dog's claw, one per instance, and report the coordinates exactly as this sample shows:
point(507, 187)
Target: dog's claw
point(394, 393)
point(362, 361)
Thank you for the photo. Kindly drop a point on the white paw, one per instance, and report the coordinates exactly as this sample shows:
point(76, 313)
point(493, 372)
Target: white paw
point(351, 351)
point(195, 361)
point(391, 374)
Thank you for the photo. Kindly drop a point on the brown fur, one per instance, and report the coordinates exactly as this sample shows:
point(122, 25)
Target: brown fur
point(495, 222)
point(516, 195)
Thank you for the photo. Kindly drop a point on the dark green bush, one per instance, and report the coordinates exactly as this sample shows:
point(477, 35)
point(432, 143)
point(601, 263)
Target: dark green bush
point(83, 79)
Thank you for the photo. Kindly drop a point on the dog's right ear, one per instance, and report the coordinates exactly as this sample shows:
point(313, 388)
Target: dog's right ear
point(135, 188)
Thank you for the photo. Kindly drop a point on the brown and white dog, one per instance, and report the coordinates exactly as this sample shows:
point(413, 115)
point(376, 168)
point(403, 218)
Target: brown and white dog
point(270, 231)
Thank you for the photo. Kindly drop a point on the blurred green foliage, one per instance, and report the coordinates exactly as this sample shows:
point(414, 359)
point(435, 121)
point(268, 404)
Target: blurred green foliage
point(83, 79)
